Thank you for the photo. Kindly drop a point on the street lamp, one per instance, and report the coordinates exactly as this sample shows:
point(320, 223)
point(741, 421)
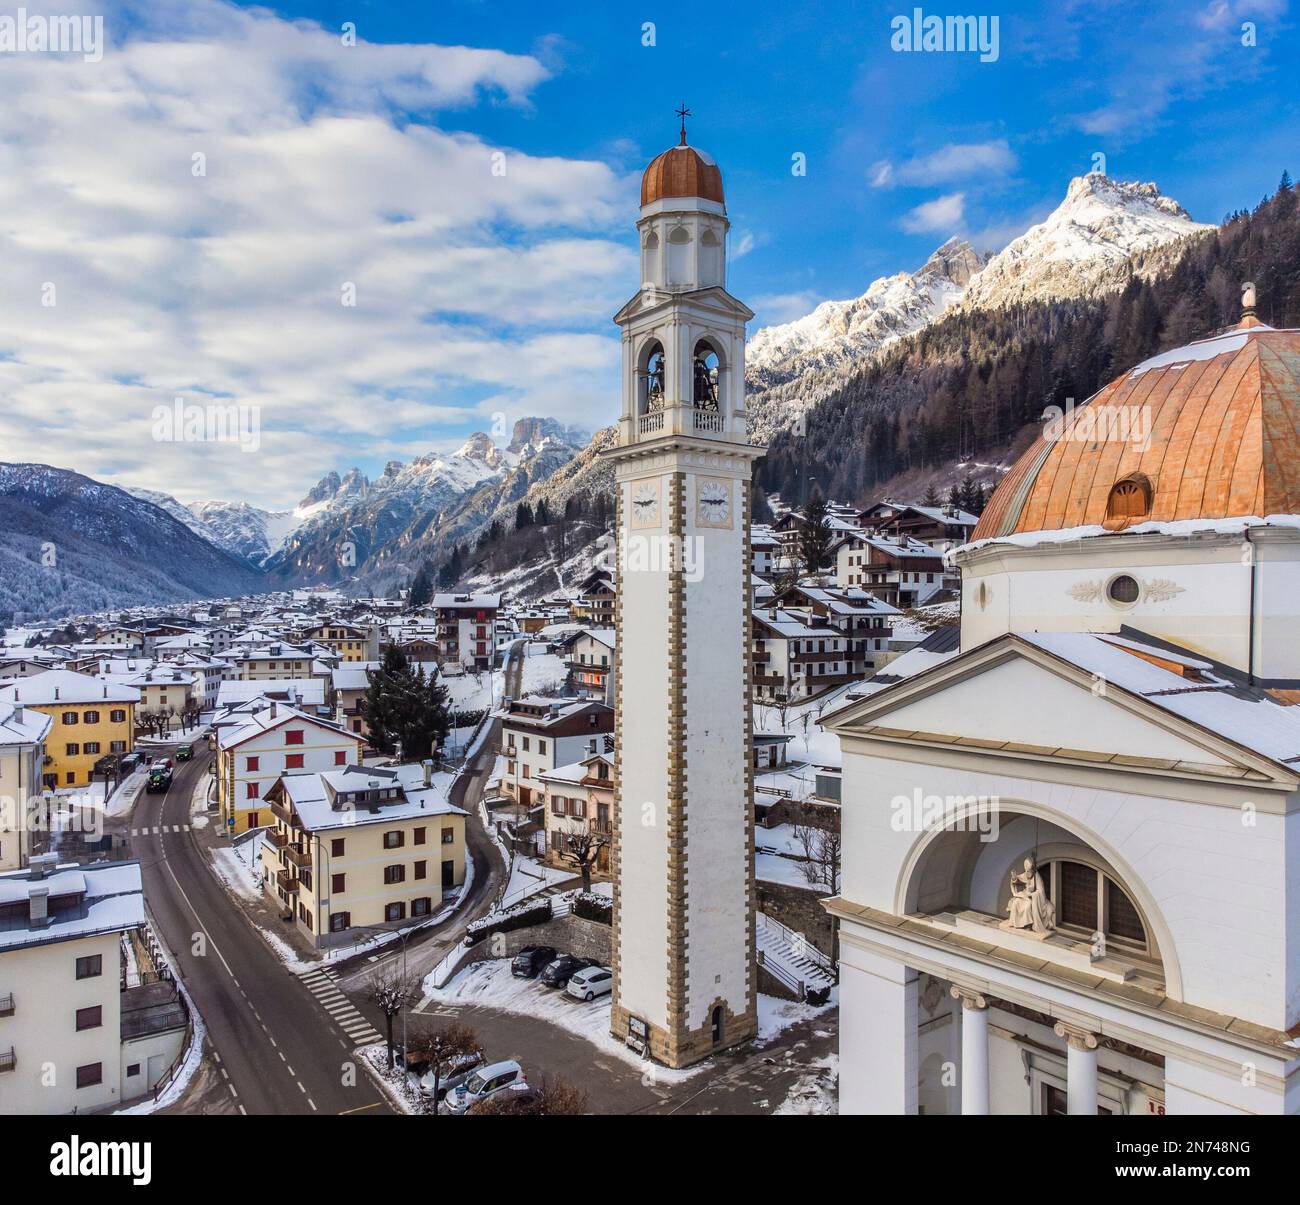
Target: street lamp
point(403, 934)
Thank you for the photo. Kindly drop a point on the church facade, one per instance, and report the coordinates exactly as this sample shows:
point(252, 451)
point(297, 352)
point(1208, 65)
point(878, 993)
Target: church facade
point(1071, 874)
point(683, 819)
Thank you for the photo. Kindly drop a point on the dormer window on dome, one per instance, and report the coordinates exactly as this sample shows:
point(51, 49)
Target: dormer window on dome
point(1129, 501)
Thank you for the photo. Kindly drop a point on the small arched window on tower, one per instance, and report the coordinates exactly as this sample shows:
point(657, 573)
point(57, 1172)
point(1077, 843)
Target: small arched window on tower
point(652, 377)
point(710, 258)
point(679, 256)
point(1129, 501)
point(705, 391)
point(650, 257)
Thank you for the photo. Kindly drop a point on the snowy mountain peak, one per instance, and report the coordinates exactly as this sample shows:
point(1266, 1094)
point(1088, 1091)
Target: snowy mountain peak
point(480, 447)
point(790, 367)
point(1086, 246)
point(322, 491)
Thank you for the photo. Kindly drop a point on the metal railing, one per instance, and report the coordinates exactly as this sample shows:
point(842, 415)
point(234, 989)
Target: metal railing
point(7, 1005)
point(8, 1059)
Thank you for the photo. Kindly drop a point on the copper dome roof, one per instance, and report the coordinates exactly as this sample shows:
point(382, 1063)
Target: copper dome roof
point(1207, 431)
point(682, 171)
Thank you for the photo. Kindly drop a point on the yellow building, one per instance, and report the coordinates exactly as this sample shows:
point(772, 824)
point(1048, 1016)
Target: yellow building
point(363, 846)
point(22, 752)
point(91, 719)
point(351, 643)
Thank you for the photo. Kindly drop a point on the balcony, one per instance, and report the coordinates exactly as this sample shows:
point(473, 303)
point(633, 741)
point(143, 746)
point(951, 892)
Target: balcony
point(299, 857)
point(281, 812)
point(7, 1005)
point(276, 838)
point(651, 423)
point(288, 881)
point(8, 1059)
point(709, 420)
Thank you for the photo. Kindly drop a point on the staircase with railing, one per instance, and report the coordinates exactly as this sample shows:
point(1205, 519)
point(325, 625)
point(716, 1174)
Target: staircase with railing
point(792, 960)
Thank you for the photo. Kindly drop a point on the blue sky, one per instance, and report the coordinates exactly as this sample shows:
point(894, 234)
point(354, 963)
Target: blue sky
point(480, 300)
point(1166, 91)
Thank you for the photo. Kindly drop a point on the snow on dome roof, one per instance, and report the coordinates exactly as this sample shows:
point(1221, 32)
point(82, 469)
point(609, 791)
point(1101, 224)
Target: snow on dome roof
point(1204, 432)
point(682, 171)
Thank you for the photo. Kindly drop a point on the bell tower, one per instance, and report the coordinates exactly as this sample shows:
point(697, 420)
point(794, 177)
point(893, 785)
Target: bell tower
point(683, 841)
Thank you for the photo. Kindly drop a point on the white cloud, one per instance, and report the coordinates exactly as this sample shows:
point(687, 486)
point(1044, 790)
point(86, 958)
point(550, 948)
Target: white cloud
point(943, 215)
point(955, 161)
point(227, 285)
point(776, 309)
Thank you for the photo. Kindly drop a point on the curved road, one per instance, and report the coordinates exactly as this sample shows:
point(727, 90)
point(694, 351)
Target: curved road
point(275, 1048)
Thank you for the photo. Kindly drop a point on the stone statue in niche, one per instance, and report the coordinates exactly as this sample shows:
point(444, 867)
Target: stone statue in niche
point(1029, 907)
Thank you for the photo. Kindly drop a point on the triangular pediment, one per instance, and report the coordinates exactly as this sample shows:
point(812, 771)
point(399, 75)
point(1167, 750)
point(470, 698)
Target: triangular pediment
point(1009, 698)
point(711, 301)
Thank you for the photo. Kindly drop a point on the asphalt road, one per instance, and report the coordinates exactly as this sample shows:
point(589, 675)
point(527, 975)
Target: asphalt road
point(275, 1048)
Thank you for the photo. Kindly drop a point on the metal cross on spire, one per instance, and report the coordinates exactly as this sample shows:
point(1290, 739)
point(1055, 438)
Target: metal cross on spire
point(683, 113)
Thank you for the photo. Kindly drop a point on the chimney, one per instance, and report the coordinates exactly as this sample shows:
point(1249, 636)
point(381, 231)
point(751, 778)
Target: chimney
point(273, 710)
point(39, 866)
point(427, 766)
point(38, 902)
point(18, 713)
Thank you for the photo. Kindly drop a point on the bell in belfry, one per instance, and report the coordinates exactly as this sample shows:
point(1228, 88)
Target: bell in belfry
point(706, 389)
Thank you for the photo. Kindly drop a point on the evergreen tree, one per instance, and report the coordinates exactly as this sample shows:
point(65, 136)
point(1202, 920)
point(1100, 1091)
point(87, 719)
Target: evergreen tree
point(421, 588)
point(401, 707)
point(931, 496)
point(815, 534)
point(523, 516)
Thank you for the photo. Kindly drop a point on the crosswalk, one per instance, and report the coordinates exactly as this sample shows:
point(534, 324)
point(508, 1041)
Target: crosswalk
point(157, 830)
point(321, 983)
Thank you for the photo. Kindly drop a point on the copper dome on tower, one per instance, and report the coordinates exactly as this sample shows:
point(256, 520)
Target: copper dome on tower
point(1206, 431)
point(682, 171)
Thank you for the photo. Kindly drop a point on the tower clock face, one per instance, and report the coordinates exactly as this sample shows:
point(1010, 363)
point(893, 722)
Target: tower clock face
point(713, 503)
point(645, 504)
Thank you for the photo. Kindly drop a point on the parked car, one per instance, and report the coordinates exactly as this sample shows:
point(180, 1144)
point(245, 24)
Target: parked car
point(461, 1069)
point(482, 1084)
point(513, 1098)
point(559, 972)
point(530, 960)
point(590, 983)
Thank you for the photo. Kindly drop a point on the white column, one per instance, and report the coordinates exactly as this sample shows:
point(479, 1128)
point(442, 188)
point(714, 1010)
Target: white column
point(1080, 1069)
point(974, 1051)
point(879, 1034)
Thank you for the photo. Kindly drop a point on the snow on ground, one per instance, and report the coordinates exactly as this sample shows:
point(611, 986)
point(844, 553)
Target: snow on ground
point(491, 985)
point(815, 1094)
point(528, 876)
point(469, 691)
point(776, 1015)
point(772, 868)
point(543, 672)
point(239, 867)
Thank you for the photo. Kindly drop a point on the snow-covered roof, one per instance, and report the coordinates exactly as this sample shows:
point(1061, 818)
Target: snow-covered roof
point(793, 625)
point(65, 686)
point(309, 691)
point(1176, 527)
point(271, 717)
point(311, 795)
point(352, 675)
point(110, 899)
point(23, 728)
point(1245, 715)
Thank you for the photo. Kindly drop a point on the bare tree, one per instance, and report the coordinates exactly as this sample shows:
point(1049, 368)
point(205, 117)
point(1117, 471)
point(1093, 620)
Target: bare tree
point(582, 851)
point(821, 861)
point(387, 988)
point(443, 1049)
point(552, 1098)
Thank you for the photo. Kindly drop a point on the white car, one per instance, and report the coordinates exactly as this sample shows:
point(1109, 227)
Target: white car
point(483, 1083)
point(591, 982)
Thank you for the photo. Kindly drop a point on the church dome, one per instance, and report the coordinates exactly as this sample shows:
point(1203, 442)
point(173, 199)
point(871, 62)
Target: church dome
point(682, 171)
point(1207, 431)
